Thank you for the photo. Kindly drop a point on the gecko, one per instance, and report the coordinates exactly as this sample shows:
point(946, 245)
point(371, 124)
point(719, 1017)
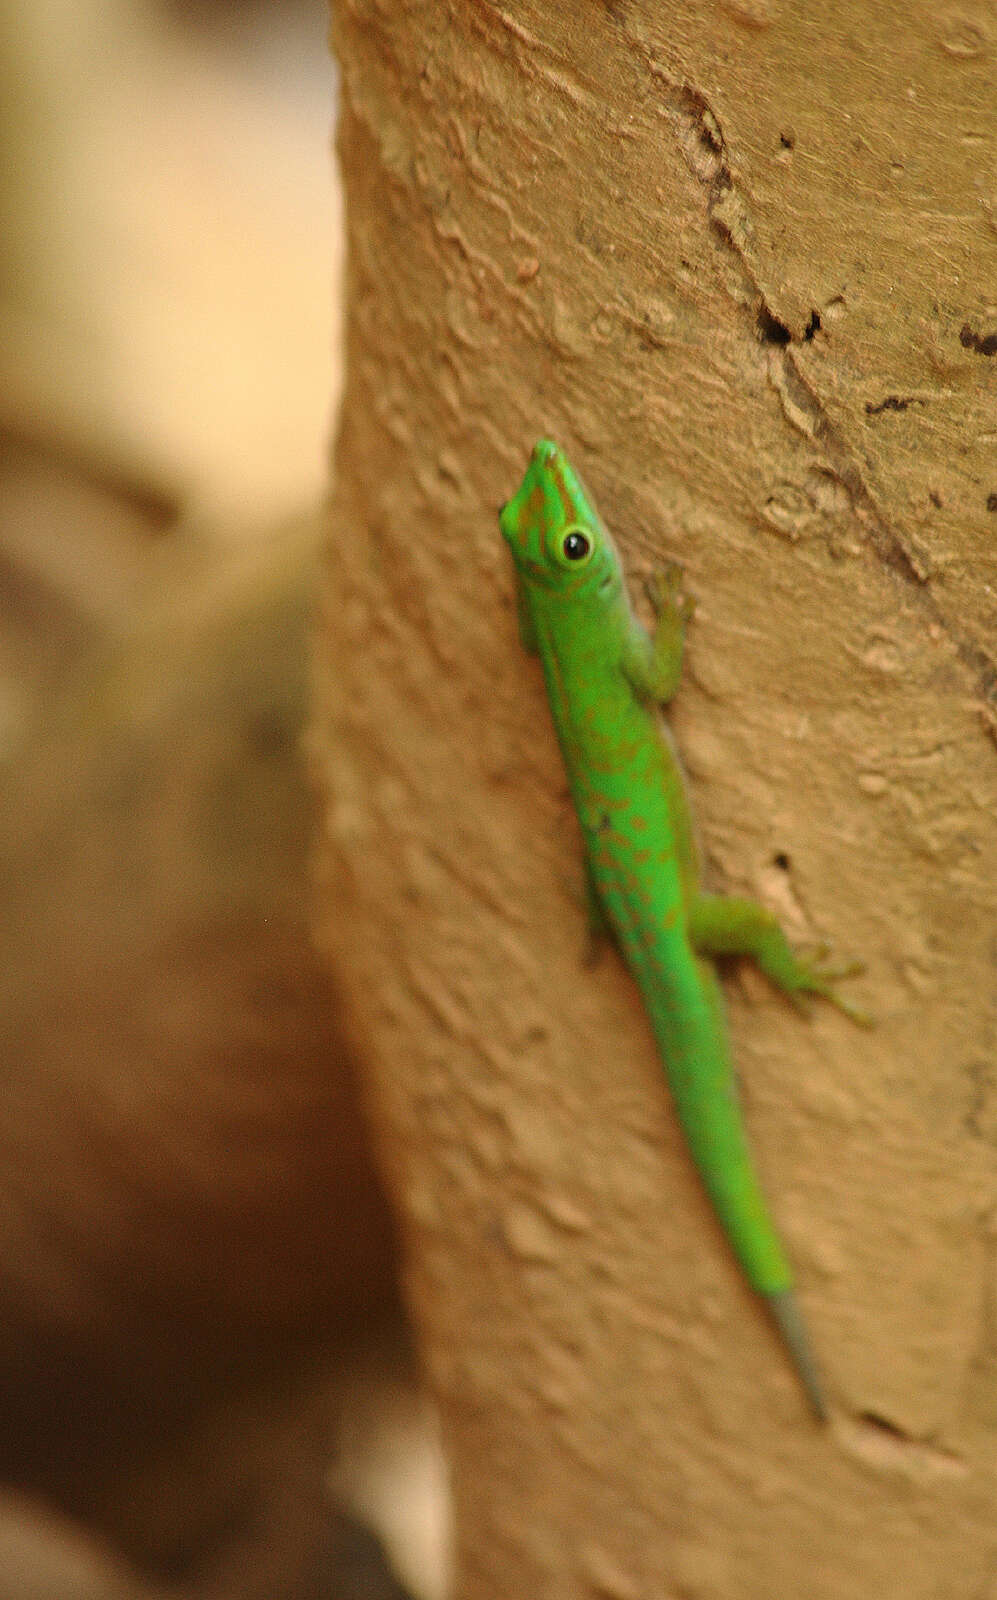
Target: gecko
point(606, 678)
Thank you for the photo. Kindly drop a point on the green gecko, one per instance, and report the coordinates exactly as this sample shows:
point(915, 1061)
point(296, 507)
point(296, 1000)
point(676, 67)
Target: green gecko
point(606, 677)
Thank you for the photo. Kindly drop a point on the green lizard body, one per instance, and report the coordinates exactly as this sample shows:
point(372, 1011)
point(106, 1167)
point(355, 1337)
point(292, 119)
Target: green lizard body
point(606, 677)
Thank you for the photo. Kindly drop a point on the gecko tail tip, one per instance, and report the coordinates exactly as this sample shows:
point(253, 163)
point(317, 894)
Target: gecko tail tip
point(786, 1315)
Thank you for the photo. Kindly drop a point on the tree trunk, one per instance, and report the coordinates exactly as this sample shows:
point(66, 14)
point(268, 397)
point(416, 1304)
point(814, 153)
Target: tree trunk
point(742, 264)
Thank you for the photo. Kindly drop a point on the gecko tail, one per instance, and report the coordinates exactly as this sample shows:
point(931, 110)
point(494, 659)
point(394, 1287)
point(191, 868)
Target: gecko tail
point(788, 1319)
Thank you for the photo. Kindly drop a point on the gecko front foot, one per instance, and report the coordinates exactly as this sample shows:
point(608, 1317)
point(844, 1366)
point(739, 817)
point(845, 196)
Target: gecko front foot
point(666, 594)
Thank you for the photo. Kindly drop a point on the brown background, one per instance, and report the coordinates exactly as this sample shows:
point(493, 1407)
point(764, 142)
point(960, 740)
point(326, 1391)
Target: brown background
point(204, 1381)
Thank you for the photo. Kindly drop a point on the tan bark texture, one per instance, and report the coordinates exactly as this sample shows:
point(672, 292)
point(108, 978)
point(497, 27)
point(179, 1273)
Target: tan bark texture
point(741, 261)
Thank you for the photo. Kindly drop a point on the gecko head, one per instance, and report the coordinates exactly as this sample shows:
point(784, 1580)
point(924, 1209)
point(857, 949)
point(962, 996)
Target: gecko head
point(555, 534)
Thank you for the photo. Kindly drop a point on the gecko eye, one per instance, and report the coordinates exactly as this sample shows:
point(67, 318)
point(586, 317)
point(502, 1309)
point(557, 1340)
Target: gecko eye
point(576, 545)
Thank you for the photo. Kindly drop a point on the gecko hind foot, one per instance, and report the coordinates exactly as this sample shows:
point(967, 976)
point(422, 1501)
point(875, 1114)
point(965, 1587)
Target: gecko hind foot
point(815, 974)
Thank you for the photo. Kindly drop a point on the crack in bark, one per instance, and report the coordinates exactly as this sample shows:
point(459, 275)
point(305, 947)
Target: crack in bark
point(984, 344)
point(701, 140)
point(702, 143)
point(892, 402)
point(884, 1443)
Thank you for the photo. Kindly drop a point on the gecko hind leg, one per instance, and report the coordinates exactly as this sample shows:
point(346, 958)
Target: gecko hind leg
point(722, 926)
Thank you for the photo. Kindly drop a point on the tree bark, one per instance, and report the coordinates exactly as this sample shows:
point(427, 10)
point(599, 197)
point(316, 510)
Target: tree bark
point(742, 263)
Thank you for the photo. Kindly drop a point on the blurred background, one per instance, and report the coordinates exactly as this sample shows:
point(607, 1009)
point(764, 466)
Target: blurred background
point(206, 1385)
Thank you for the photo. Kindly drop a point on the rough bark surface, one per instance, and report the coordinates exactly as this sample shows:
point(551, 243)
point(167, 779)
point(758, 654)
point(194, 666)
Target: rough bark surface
point(741, 260)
